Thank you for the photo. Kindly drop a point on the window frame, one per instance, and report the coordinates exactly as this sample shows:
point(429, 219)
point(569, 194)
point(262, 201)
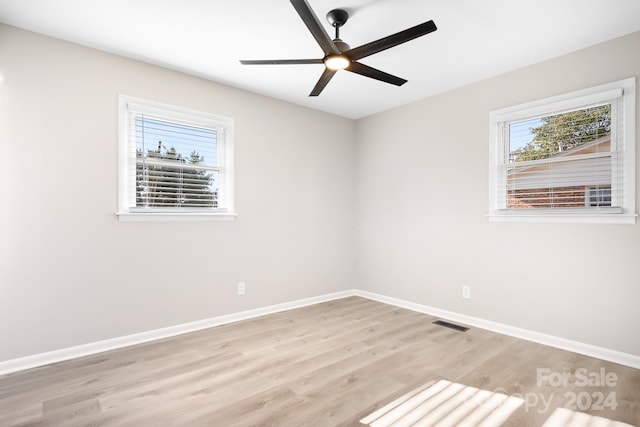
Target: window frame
point(623, 90)
point(128, 213)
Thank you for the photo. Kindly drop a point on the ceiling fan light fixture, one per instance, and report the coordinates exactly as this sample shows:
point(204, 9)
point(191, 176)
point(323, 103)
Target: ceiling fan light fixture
point(338, 55)
point(337, 62)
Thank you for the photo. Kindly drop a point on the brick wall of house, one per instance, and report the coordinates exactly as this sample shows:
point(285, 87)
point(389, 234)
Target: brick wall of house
point(558, 197)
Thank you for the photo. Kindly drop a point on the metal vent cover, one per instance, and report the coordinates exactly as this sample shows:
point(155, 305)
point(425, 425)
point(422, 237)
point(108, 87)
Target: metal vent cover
point(451, 325)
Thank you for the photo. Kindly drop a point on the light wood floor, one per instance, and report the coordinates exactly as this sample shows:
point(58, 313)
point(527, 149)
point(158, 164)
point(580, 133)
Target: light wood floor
point(329, 364)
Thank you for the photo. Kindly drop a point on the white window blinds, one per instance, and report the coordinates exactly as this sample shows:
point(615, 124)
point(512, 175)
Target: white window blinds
point(554, 161)
point(176, 164)
point(569, 157)
point(173, 160)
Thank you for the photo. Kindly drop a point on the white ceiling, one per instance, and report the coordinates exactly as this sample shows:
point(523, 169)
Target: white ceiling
point(475, 39)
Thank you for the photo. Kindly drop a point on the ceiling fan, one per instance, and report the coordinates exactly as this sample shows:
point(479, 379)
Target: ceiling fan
point(338, 54)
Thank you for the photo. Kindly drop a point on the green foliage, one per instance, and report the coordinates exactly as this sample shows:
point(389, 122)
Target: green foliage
point(562, 132)
point(164, 178)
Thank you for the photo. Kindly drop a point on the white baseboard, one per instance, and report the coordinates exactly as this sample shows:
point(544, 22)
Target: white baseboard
point(47, 358)
point(550, 340)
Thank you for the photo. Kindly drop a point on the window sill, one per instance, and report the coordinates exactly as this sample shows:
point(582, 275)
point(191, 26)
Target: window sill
point(174, 217)
point(565, 218)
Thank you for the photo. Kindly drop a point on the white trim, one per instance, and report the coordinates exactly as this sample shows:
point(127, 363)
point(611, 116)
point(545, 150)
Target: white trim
point(559, 218)
point(525, 334)
point(167, 216)
point(564, 102)
point(47, 358)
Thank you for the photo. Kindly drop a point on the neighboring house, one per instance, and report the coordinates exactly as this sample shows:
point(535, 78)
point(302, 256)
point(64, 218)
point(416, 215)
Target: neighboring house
point(578, 177)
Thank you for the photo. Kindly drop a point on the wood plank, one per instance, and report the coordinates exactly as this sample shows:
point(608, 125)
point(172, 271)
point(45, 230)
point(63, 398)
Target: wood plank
point(329, 364)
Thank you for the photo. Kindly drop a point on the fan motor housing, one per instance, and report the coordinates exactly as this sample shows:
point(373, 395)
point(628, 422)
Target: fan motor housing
point(342, 46)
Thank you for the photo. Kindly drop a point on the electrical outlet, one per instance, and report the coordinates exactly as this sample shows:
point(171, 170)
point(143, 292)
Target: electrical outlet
point(241, 288)
point(466, 292)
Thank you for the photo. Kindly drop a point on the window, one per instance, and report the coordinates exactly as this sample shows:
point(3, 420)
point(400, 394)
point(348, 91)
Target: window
point(174, 163)
point(570, 158)
point(598, 196)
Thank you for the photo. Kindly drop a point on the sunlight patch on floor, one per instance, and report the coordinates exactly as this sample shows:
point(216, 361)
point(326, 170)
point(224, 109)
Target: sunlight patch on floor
point(563, 417)
point(444, 403)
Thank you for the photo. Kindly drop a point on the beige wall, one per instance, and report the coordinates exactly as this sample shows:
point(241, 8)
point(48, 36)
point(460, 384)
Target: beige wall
point(71, 274)
point(422, 181)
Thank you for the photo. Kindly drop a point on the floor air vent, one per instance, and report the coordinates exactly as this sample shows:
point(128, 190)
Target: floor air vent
point(451, 325)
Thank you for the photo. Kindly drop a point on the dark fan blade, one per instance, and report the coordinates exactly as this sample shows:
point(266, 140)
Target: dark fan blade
point(279, 61)
point(317, 30)
point(365, 70)
point(324, 79)
point(391, 41)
